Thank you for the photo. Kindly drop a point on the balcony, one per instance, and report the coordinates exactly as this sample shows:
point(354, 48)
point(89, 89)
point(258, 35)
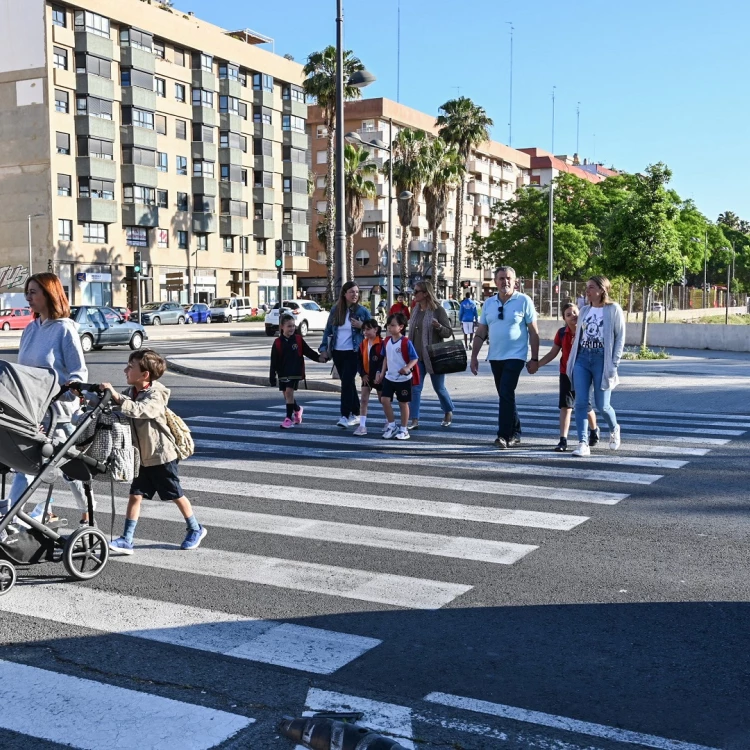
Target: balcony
point(137, 174)
point(204, 116)
point(295, 232)
point(233, 225)
point(264, 163)
point(265, 131)
point(372, 135)
point(93, 44)
point(296, 263)
point(202, 79)
point(496, 191)
point(95, 127)
point(263, 228)
point(231, 155)
point(295, 139)
point(231, 122)
point(97, 210)
point(374, 216)
point(140, 137)
point(205, 186)
point(420, 246)
point(477, 166)
point(295, 108)
point(203, 151)
point(205, 223)
point(103, 88)
point(263, 99)
point(140, 215)
point(294, 169)
point(482, 209)
point(229, 87)
point(235, 191)
point(133, 57)
point(296, 200)
point(134, 96)
point(496, 171)
point(99, 169)
point(264, 195)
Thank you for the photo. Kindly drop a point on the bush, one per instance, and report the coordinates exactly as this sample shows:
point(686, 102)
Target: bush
point(253, 318)
point(643, 352)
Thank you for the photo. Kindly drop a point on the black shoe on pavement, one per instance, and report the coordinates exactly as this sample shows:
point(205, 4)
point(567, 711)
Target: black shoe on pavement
point(562, 446)
point(594, 437)
point(515, 440)
point(501, 443)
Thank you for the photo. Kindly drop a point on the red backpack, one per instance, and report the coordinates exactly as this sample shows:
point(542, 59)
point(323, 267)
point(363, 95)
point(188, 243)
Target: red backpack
point(416, 378)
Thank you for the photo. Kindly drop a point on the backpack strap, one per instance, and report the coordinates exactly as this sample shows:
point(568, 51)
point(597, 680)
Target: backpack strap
point(300, 341)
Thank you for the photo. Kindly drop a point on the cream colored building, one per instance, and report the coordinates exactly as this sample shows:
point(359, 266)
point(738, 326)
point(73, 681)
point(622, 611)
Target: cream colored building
point(129, 126)
point(495, 171)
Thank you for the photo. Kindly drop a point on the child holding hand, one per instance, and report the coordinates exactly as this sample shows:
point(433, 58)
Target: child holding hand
point(371, 353)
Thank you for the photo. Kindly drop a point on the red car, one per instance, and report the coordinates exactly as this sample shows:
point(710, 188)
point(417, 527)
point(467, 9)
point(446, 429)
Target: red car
point(15, 318)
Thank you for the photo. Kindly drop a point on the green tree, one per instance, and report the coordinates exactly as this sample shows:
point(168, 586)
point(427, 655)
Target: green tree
point(320, 83)
point(641, 241)
point(465, 125)
point(358, 187)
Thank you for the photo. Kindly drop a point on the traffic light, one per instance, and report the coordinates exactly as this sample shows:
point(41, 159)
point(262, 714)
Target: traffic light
point(279, 254)
point(137, 264)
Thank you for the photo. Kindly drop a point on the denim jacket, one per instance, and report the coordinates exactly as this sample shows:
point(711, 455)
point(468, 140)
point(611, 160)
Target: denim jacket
point(329, 335)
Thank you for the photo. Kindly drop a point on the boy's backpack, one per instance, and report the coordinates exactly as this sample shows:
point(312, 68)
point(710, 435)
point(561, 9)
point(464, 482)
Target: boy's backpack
point(180, 433)
point(416, 377)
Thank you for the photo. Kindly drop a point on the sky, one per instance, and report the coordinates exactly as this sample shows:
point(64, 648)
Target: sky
point(657, 80)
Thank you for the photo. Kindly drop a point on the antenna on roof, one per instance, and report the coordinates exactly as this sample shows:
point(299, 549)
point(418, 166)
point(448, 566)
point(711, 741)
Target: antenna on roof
point(578, 127)
point(398, 54)
point(510, 94)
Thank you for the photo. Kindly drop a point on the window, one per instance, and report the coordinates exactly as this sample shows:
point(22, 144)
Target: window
point(201, 242)
point(93, 66)
point(162, 238)
point(290, 122)
point(162, 161)
point(262, 82)
point(229, 105)
point(94, 233)
point(62, 141)
point(182, 239)
point(321, 157)
point(203, 62)
point(159, 49)
point(134, 38)
point(320, 182)
point(262, 115)
point(242, 109)
point(162, 198)
point(58, 16)
point(134, 155)
point(294, 155)
point(182, 201)
point(91, 23)
point(138, 118)
point(95, 148)
point(90, 106)
point(260, 247)
point(138, 78)
point(244, 245)
point(228, 244)
point(321, 131)
point(179, 92)
point(293, 93)
point(203, 133)
point(136, 236)
point(368, 125)
point(203, 203)
point(294, 216)
point(63, 184)
point(295, 185)
point(203, 169)
point(232, 140)
point(263, 211)
point(180, 129)
point(65, 230)
point(160, 124)
point(182, 165)
point(160, 87)
point(139, 194)
point(229, 71)
point(60, 57)
point(321, 207)
point(179, 57)
point(89, 187)
point(260, 179)
point(233, 208)
point(203, 98)
point(61, 101)
point(262, 147)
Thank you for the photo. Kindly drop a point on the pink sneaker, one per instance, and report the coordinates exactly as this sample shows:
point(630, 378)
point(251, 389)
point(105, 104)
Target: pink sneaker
point(297, 416)
point(287, 424)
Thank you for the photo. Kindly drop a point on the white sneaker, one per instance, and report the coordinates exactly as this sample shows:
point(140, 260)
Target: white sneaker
point(402, 434)
point(614, 438)
point(353, 421)
point(389, 432)
point(582, 450)
point(361, 430)
point(343, 422)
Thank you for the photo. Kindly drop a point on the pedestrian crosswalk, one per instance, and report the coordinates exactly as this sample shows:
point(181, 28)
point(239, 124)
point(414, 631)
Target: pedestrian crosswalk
point(357, 522)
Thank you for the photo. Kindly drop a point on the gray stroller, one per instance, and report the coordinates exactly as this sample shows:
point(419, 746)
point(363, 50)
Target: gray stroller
point(27, 424)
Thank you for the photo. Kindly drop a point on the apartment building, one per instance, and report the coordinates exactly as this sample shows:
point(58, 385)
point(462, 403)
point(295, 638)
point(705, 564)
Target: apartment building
point(545, 167)
point(495, 171)
point(131, 126)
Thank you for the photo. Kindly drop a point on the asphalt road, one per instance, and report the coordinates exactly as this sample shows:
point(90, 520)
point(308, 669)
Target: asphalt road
point(459, 597)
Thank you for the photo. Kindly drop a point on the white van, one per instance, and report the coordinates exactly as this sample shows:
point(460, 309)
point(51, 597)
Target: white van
point(228, 309)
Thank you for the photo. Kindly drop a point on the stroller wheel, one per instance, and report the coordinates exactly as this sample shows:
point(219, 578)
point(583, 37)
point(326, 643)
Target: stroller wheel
point(7, 577)
point(85, 553)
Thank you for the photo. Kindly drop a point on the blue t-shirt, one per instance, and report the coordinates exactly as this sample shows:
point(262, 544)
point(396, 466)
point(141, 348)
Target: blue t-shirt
point(509, 337)
point(468, 311)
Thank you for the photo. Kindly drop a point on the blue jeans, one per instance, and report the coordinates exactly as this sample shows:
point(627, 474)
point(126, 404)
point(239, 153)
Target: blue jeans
point(588, 371)
point(506, 373)
point(438, 385)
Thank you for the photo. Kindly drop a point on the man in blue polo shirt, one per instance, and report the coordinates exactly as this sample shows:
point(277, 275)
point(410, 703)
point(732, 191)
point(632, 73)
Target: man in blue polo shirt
point(510, 320)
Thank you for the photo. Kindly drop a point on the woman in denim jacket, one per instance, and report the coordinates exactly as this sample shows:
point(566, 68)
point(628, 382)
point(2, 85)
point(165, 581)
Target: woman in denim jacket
point(341, 340)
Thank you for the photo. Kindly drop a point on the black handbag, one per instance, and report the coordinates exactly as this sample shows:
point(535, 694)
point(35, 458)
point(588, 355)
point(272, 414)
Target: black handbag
point(447, 356)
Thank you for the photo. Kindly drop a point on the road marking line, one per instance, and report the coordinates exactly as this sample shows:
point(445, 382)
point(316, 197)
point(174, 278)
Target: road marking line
point(90, 715)
point(560, 722)
point(288, 645)
point(332, 580)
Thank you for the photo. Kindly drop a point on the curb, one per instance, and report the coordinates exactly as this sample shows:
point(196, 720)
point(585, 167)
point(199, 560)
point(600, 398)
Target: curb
point(196, 372)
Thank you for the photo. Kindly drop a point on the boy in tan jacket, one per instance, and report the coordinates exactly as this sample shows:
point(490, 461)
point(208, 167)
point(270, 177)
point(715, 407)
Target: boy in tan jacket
point(145, 403)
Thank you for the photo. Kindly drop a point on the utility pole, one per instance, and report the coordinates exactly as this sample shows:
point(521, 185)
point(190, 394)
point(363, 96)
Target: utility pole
point(510, 87)
point(553, 120)
point(551, 246)
point(398, 53)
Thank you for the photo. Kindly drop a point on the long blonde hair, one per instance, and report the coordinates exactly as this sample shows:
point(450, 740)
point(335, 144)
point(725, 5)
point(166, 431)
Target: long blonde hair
point(429, 292)
point(604, 284)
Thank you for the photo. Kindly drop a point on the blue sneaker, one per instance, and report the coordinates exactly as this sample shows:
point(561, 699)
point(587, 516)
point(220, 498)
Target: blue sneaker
point(121, 546)
point(193, 539)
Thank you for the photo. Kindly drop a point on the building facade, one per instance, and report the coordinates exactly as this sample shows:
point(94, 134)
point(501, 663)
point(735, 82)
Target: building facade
point(495, 171)
point(131, 126)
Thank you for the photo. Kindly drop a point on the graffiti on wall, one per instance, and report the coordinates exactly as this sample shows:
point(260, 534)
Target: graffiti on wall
point(13, 276)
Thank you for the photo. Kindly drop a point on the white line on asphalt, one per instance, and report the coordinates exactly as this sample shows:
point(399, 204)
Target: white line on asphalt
point(385, 503)
point(560, 722)
point(332, 580)
point(90, 715)
point(288, 645)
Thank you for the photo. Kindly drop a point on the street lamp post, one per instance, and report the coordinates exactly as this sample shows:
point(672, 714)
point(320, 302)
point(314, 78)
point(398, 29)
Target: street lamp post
point(550, 246)
point(729, 283)
point(32, 216)
point(705, 269)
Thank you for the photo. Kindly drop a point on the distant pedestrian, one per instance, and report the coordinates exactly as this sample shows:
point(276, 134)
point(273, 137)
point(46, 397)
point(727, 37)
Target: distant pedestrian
point(429, 325)
point(288, 367)
point(396, 375)
point(341, 340)
point(145, 403)
point(469, 317)
point(371, 355)
point(563, 342)
point(400, 306)
point(594, 358)
point(510, 320)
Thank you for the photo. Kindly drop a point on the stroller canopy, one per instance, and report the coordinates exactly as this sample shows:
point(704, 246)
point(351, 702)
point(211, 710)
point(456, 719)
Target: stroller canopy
point(25, 396)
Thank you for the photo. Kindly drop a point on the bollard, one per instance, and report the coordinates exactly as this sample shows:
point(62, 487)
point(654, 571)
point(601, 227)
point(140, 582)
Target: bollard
point(318, 733)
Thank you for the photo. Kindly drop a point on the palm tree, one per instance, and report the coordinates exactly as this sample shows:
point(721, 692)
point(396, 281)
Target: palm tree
point(729, 219)
point(408, 175)
point(358, 187)
point(464, 125)
point(320, 83)
point(445, 171)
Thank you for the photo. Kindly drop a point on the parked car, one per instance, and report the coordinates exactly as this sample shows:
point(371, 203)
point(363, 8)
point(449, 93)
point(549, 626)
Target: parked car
point(230, 308)
point(452, 308)
point(657, 307)
point(15, 318)
point(198, 313)
point(308, 314)
point(125, 312)
point(103, 326)
point(162, 313)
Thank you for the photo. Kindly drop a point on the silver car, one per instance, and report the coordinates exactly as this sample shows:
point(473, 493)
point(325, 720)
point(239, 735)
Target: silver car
point(162, 313)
